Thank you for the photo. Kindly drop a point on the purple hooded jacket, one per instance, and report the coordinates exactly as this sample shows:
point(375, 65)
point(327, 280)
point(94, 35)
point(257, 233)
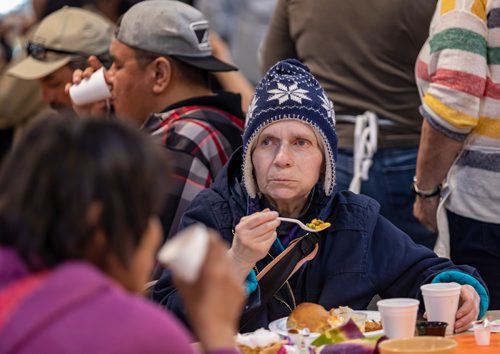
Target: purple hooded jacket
point(77, 309)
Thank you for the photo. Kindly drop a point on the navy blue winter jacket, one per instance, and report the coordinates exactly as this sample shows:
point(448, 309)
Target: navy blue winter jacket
point(362, 254)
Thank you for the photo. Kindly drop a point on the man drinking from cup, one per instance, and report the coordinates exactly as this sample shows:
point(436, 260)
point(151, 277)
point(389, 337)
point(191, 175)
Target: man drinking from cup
point(62, 43)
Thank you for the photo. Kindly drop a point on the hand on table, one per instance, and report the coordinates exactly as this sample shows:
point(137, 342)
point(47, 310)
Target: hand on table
point(468, 308)
point(253, 237)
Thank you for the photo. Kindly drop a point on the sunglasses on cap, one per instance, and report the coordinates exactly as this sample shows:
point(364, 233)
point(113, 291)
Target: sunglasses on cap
point(39, 52)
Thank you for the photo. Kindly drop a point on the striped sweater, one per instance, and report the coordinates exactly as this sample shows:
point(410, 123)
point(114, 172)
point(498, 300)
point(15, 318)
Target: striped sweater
point(458, 75)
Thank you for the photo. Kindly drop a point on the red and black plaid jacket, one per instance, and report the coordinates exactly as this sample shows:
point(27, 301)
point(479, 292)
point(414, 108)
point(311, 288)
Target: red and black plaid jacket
point(200, 134)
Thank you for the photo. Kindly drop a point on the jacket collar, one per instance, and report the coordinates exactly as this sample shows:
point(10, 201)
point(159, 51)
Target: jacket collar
point(225, 101)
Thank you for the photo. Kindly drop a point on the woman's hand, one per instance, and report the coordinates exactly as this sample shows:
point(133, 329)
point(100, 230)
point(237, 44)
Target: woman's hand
point(468, 308)
point(215, 300)
point(95, 109)
point(253, 237)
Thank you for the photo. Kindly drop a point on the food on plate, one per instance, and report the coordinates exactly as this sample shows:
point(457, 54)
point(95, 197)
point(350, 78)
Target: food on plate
point(317, 224)
point(372, 325)
point(346, 332)
point(261, 341)
point(315, 317)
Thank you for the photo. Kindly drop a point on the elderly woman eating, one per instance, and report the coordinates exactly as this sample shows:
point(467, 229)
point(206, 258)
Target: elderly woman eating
point(286, 168)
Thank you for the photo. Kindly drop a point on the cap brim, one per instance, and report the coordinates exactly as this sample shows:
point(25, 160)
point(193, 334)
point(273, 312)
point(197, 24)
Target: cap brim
point(32, 69)
point(209, 63)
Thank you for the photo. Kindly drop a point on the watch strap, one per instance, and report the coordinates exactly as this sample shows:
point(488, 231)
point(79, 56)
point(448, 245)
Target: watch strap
point(425, 193)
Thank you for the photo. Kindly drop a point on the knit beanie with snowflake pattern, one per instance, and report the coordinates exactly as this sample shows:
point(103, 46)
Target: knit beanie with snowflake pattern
point(289, 91)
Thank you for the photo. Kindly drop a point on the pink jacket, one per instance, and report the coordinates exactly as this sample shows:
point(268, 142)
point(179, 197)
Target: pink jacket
point(77, 309)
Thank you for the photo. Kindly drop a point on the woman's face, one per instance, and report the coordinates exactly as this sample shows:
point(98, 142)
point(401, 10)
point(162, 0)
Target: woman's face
point(287, 161)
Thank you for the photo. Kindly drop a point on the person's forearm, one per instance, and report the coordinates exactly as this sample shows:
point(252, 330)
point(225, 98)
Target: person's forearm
point(242, 268)
point(436, 154)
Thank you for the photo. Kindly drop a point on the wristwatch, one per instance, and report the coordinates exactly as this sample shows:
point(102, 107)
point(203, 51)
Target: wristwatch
point(425, 193)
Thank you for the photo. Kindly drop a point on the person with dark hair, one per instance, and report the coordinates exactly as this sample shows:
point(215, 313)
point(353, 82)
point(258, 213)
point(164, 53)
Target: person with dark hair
point(21, 98)
point(162, 59)
point(287, 168)
point(78, 234)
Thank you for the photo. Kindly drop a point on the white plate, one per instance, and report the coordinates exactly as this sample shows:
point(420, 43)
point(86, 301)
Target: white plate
point(494, 325)
point(279, 325)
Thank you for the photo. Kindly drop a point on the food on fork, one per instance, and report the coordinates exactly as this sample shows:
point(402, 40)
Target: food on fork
point(261, 341)
point(317, 224)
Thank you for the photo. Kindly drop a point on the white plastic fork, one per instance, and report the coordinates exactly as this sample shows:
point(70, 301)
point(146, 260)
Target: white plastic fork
point(301, 224)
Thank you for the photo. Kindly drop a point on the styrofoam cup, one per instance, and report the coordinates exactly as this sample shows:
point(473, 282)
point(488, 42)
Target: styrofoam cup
point(399, 317)
point(441, 302)
point(91, 89)
point(481, 333)
point(185, 252)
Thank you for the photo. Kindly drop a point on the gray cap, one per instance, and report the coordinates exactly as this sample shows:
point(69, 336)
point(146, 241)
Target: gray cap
point(170, 28)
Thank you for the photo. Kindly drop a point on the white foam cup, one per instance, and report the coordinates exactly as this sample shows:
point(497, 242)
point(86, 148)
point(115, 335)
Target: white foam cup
point(441, 303)
point(482, 332)
point(91, 89)
point(185, 252)
point(399, 316)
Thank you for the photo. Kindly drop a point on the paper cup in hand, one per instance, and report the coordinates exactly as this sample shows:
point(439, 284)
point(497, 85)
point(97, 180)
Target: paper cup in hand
point(91, 89)
point(399, 316)
point(185, 252)
point(441, 302)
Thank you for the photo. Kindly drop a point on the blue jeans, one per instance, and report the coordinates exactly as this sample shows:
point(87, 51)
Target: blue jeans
point(391, 176)
point(477, 244)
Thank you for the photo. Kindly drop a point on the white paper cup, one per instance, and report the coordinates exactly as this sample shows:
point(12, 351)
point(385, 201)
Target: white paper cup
point(399, 317)
point(185, 252)
point(91, 89)
point(481, 333)
point(441, 303)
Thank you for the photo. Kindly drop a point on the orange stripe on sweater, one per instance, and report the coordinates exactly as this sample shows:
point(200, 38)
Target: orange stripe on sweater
point(478, 8)
point(447, 5)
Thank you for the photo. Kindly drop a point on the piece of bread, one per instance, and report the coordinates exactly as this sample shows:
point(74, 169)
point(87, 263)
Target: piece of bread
point(272, 349)
point(262, 341)
point(309, 315)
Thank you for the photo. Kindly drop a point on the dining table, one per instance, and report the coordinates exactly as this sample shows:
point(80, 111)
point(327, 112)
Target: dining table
point(466, 343)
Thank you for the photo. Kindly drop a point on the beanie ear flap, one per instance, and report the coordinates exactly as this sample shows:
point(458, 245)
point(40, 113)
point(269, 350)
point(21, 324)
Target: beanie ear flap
point(328, 164)
point(248, 177)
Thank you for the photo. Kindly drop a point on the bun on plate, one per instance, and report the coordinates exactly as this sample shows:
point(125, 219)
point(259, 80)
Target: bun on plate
point(309, 315)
